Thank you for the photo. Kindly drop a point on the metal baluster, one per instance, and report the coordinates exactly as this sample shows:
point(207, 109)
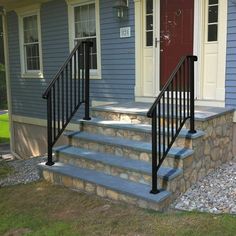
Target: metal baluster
point(58, 107)
point(172, 109)
point(154, 152)
point(180, 95)
point(71, 91)
point(168, 117)
point(83, 69)
point(54, 111)
point(63, 98)
point(75, 77)
point(79, 62)
point(159, 132)
point(164, 126)
point(49, 122)
point(176, 105)
point(67, 95)
point(184, 87)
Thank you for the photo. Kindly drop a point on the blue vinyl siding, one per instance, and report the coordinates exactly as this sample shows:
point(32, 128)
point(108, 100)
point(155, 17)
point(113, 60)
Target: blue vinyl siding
point(117, 57)
point(27, 93)
point(230, 84)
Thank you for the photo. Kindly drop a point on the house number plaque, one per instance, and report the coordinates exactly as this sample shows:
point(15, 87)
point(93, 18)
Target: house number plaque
point(125, 32)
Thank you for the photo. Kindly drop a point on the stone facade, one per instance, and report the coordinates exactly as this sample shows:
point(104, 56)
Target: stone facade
point(101, 191)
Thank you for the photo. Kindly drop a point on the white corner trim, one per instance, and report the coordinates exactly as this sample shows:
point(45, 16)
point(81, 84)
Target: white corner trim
point(8, 81)
point(138, 48)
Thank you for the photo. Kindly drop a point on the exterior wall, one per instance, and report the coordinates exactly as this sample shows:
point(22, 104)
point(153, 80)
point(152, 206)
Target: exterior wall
point(31, 140)
point(117, 56)
point(231, 57)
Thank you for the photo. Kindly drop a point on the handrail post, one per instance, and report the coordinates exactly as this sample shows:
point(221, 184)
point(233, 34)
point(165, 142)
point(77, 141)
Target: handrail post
point(87, 46)
point(49, 130)
point(192, 102)
point(154, 152)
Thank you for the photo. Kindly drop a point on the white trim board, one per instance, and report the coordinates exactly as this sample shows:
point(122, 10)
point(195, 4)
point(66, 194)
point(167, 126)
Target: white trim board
point(8, 82)
point(40, 122)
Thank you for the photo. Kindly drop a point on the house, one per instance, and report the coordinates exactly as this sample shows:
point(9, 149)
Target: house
point(136, 47)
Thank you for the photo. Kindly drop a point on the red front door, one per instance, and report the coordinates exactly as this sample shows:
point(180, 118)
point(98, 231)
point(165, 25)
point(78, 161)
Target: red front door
point(176, 34)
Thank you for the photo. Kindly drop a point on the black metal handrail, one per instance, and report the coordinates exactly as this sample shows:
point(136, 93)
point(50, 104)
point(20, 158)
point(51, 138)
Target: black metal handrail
point(169, 112)
point(66, 93)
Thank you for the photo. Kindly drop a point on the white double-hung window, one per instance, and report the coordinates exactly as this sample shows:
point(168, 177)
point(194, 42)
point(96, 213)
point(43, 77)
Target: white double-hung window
point(30, 44)
point(84, 25)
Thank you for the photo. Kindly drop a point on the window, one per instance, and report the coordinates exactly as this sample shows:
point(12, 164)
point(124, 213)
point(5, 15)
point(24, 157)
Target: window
point(85, 29)
point(84, 25)
point(149, 23)
point(30, 45)
point(213, 20)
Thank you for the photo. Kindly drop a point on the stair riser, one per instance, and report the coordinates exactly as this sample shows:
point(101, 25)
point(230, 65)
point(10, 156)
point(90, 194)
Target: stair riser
point(129, 152)
point(133, 135)
point(132, 118)
point(132, 175)
point(91, 188)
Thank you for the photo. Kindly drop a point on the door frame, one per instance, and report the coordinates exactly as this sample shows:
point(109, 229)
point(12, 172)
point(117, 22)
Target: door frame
point(197, 49)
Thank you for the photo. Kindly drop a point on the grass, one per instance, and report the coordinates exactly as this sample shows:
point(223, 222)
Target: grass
point(4, 129)
point(43, 209)
point(5, 169)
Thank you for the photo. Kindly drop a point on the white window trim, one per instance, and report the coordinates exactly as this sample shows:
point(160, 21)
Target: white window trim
point(96, 74)
point(24, 12)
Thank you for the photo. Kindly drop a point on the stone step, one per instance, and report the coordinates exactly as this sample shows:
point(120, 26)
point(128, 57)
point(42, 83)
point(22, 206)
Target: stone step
point(139, 150)
point(138, 132)
point(126, 168)
point(104, 185)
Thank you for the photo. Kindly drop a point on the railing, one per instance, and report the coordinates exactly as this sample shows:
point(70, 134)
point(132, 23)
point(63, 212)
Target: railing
point(172, 108)
point(66, 93)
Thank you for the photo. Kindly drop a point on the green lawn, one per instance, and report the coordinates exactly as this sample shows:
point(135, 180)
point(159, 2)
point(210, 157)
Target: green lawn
point(4, 129)
point(5, 170)
point(42, 209)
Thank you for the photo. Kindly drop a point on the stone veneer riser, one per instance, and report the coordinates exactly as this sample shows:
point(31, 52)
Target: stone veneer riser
point(172, 185)
point(92, 188)
point(213, 149)
point(132, 118)
point(134, 135)
point(181, 163)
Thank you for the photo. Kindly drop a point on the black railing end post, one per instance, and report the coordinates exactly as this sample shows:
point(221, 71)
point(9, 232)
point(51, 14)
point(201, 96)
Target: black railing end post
point(50, 163)
point(87, 118)
point(87, 44)
point(192, 96)
point(192, 131)
point(155, 191)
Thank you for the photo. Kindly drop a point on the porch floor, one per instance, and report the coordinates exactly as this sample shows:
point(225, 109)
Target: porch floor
point(202, 113)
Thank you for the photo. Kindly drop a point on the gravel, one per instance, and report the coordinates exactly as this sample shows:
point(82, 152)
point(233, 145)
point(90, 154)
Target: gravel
point(26, 171)
point(215, 193)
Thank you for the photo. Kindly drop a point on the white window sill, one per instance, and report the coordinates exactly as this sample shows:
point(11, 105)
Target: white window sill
point(95, 77)
point(32, 76)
